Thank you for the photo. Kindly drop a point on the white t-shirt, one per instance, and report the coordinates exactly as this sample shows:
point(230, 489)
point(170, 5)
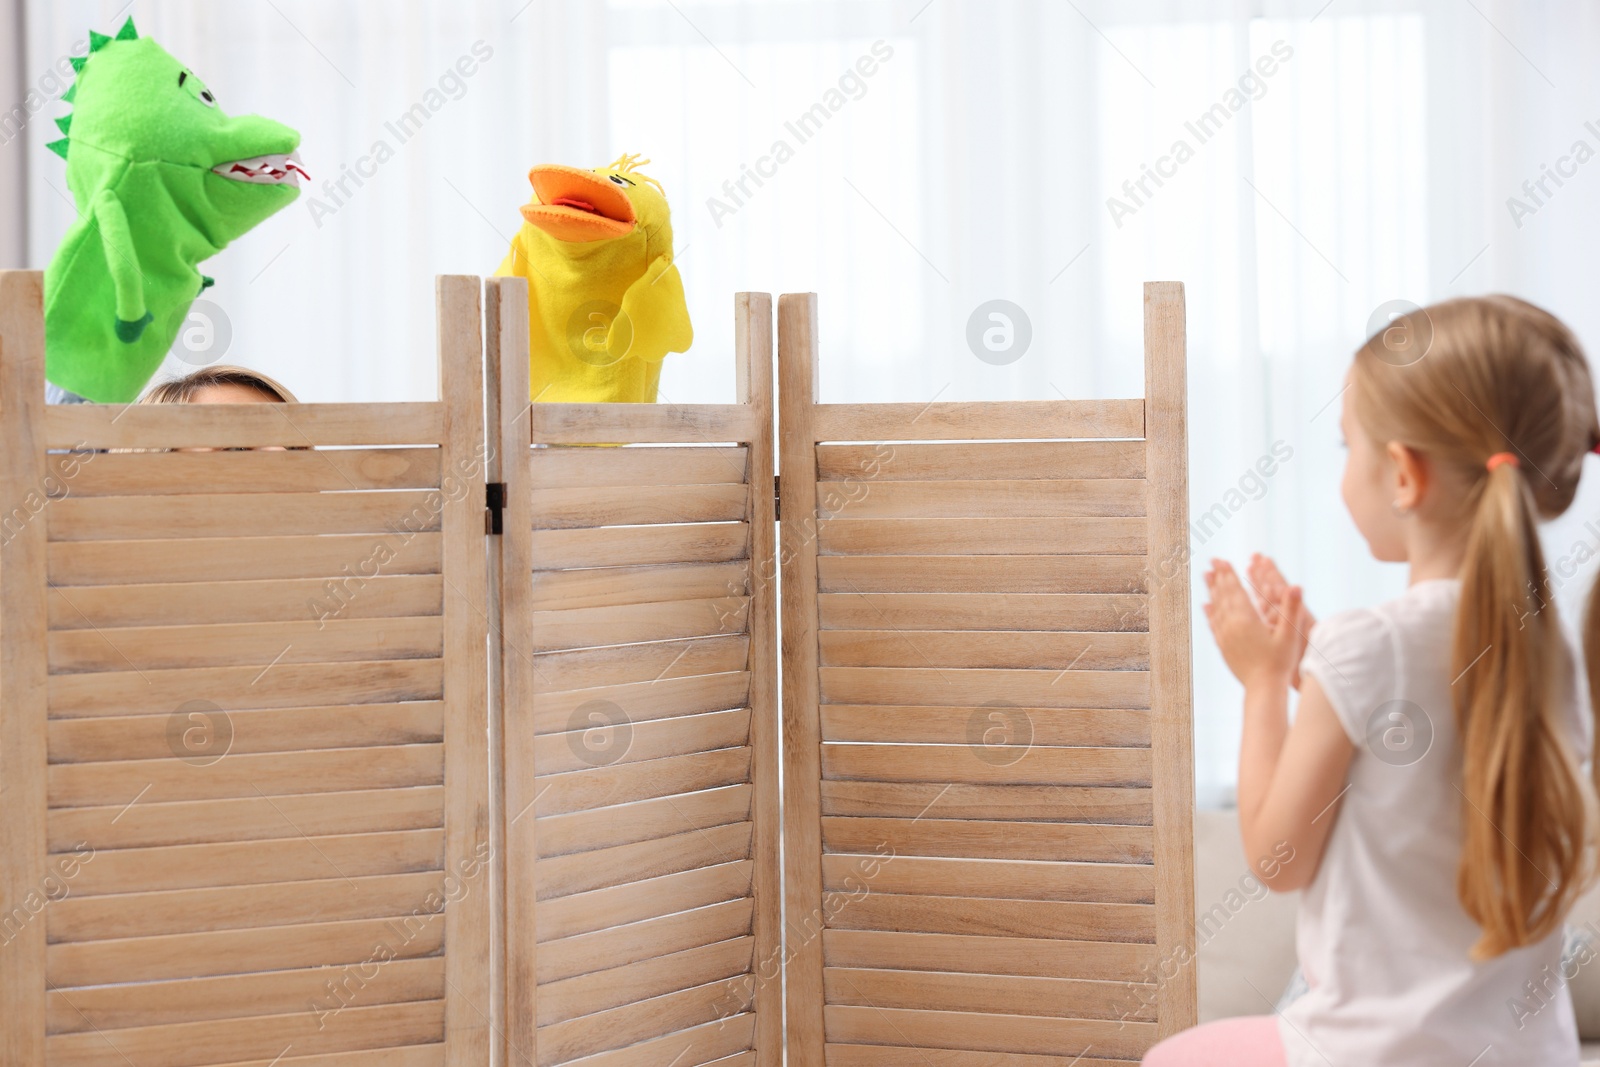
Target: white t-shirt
point(1382, 937)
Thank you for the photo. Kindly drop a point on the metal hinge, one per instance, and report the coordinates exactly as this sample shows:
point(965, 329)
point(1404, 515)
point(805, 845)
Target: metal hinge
point(495, 501)
point(777, 500)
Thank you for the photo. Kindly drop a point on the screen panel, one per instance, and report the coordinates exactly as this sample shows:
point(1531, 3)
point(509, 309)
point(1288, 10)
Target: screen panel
point(638, 633)
point(243, 709)
point(987, 721)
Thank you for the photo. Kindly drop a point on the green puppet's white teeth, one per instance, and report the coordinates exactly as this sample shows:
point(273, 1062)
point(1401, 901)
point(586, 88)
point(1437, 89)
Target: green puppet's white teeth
point(278, 169)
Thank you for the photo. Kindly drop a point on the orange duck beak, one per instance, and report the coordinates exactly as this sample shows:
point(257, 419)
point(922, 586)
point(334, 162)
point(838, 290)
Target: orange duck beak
point(578, 205)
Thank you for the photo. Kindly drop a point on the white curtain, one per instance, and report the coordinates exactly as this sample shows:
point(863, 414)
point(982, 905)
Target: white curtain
point(14, 118)
point(910, 160)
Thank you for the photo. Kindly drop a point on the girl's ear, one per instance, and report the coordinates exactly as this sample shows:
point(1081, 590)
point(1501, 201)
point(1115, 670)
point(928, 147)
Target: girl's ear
point(1410, 475)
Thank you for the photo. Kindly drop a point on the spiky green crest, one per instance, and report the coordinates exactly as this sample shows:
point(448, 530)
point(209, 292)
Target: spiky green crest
point(97, 41)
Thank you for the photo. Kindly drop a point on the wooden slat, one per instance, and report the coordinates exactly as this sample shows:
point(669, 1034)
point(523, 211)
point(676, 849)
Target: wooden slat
point(997, 649)
point(629, 546)
point(582, 468)
point(564, 509)
point(1003, 801)
point(591, 668)
point(1095, 536)
point(219, 952)
point(1029, 420)
point(989, 1033)
point(634, 623)
point(994, 994)
point(600, 990)
point(738, 1059)
point(218, 559)
point(289, 685)
point(990, 498)
point(625, 824)
point(992, 840)
point(189, 1000)
point(152, 823)
point(988, 688)
point(1172, 736)
point(236, 775)
point(605, 587)
point(983, 954)
point(983, 459)
point(1065, 920)
point(848, 1055)
point(187, 911)
point(128, 518)
point(623, 1026)
point(194, 1044)
point(581, 872)
point(295, 471)
point(426, 1055)
point(24, 864)
point(611, 737)
point(207, 603)
point(714, 1044)
point(981, 611)
point(977, 726)
point(981, 574)
point(607, 949)
point(241, 425)
point(629, 782)
point(949, 763)
point(143, 737)
point(221, 644)
point(692, 424)
point(650, 898)
point(282, 859)
point(643, 701)
point(1109, 883)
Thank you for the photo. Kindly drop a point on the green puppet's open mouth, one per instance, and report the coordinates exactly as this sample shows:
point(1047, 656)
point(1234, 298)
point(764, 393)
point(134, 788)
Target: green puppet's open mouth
point(282, 168)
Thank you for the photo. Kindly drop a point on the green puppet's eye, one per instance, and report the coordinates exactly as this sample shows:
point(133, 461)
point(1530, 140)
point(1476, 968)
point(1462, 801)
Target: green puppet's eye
point(196, 88)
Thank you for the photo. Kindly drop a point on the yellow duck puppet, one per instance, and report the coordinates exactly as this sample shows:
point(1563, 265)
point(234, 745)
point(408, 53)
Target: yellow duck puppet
point(605, 302)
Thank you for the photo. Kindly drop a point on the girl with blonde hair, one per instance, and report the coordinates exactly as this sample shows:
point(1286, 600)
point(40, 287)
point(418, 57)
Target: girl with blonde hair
point(1428, 797)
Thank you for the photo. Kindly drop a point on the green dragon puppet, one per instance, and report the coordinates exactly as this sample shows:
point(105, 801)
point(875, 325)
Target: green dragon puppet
point(162, 180)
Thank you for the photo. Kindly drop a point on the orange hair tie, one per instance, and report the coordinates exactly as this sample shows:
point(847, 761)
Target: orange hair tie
point(1502, 457)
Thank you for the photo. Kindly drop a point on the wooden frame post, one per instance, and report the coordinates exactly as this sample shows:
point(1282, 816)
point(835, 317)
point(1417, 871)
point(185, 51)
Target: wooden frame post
point(23, 752)
point(1171, 688)
point(802, 733)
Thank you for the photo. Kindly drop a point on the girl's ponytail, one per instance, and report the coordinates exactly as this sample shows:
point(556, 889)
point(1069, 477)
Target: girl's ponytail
point(1501, 404)
point(1526, 812)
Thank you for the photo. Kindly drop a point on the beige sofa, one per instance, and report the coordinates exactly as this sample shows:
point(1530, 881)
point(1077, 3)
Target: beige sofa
point(1247, 950)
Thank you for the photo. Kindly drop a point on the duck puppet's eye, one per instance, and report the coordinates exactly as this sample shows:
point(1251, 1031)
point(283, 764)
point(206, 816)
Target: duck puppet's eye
point(620, 180)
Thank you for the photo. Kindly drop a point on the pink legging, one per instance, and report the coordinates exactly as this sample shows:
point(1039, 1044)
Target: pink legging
point(1246, 1041)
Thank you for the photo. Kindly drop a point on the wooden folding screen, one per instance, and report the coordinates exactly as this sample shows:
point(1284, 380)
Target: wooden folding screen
point(243, 753)
point(275, 733)
point(988, 778)
point(639, 717)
